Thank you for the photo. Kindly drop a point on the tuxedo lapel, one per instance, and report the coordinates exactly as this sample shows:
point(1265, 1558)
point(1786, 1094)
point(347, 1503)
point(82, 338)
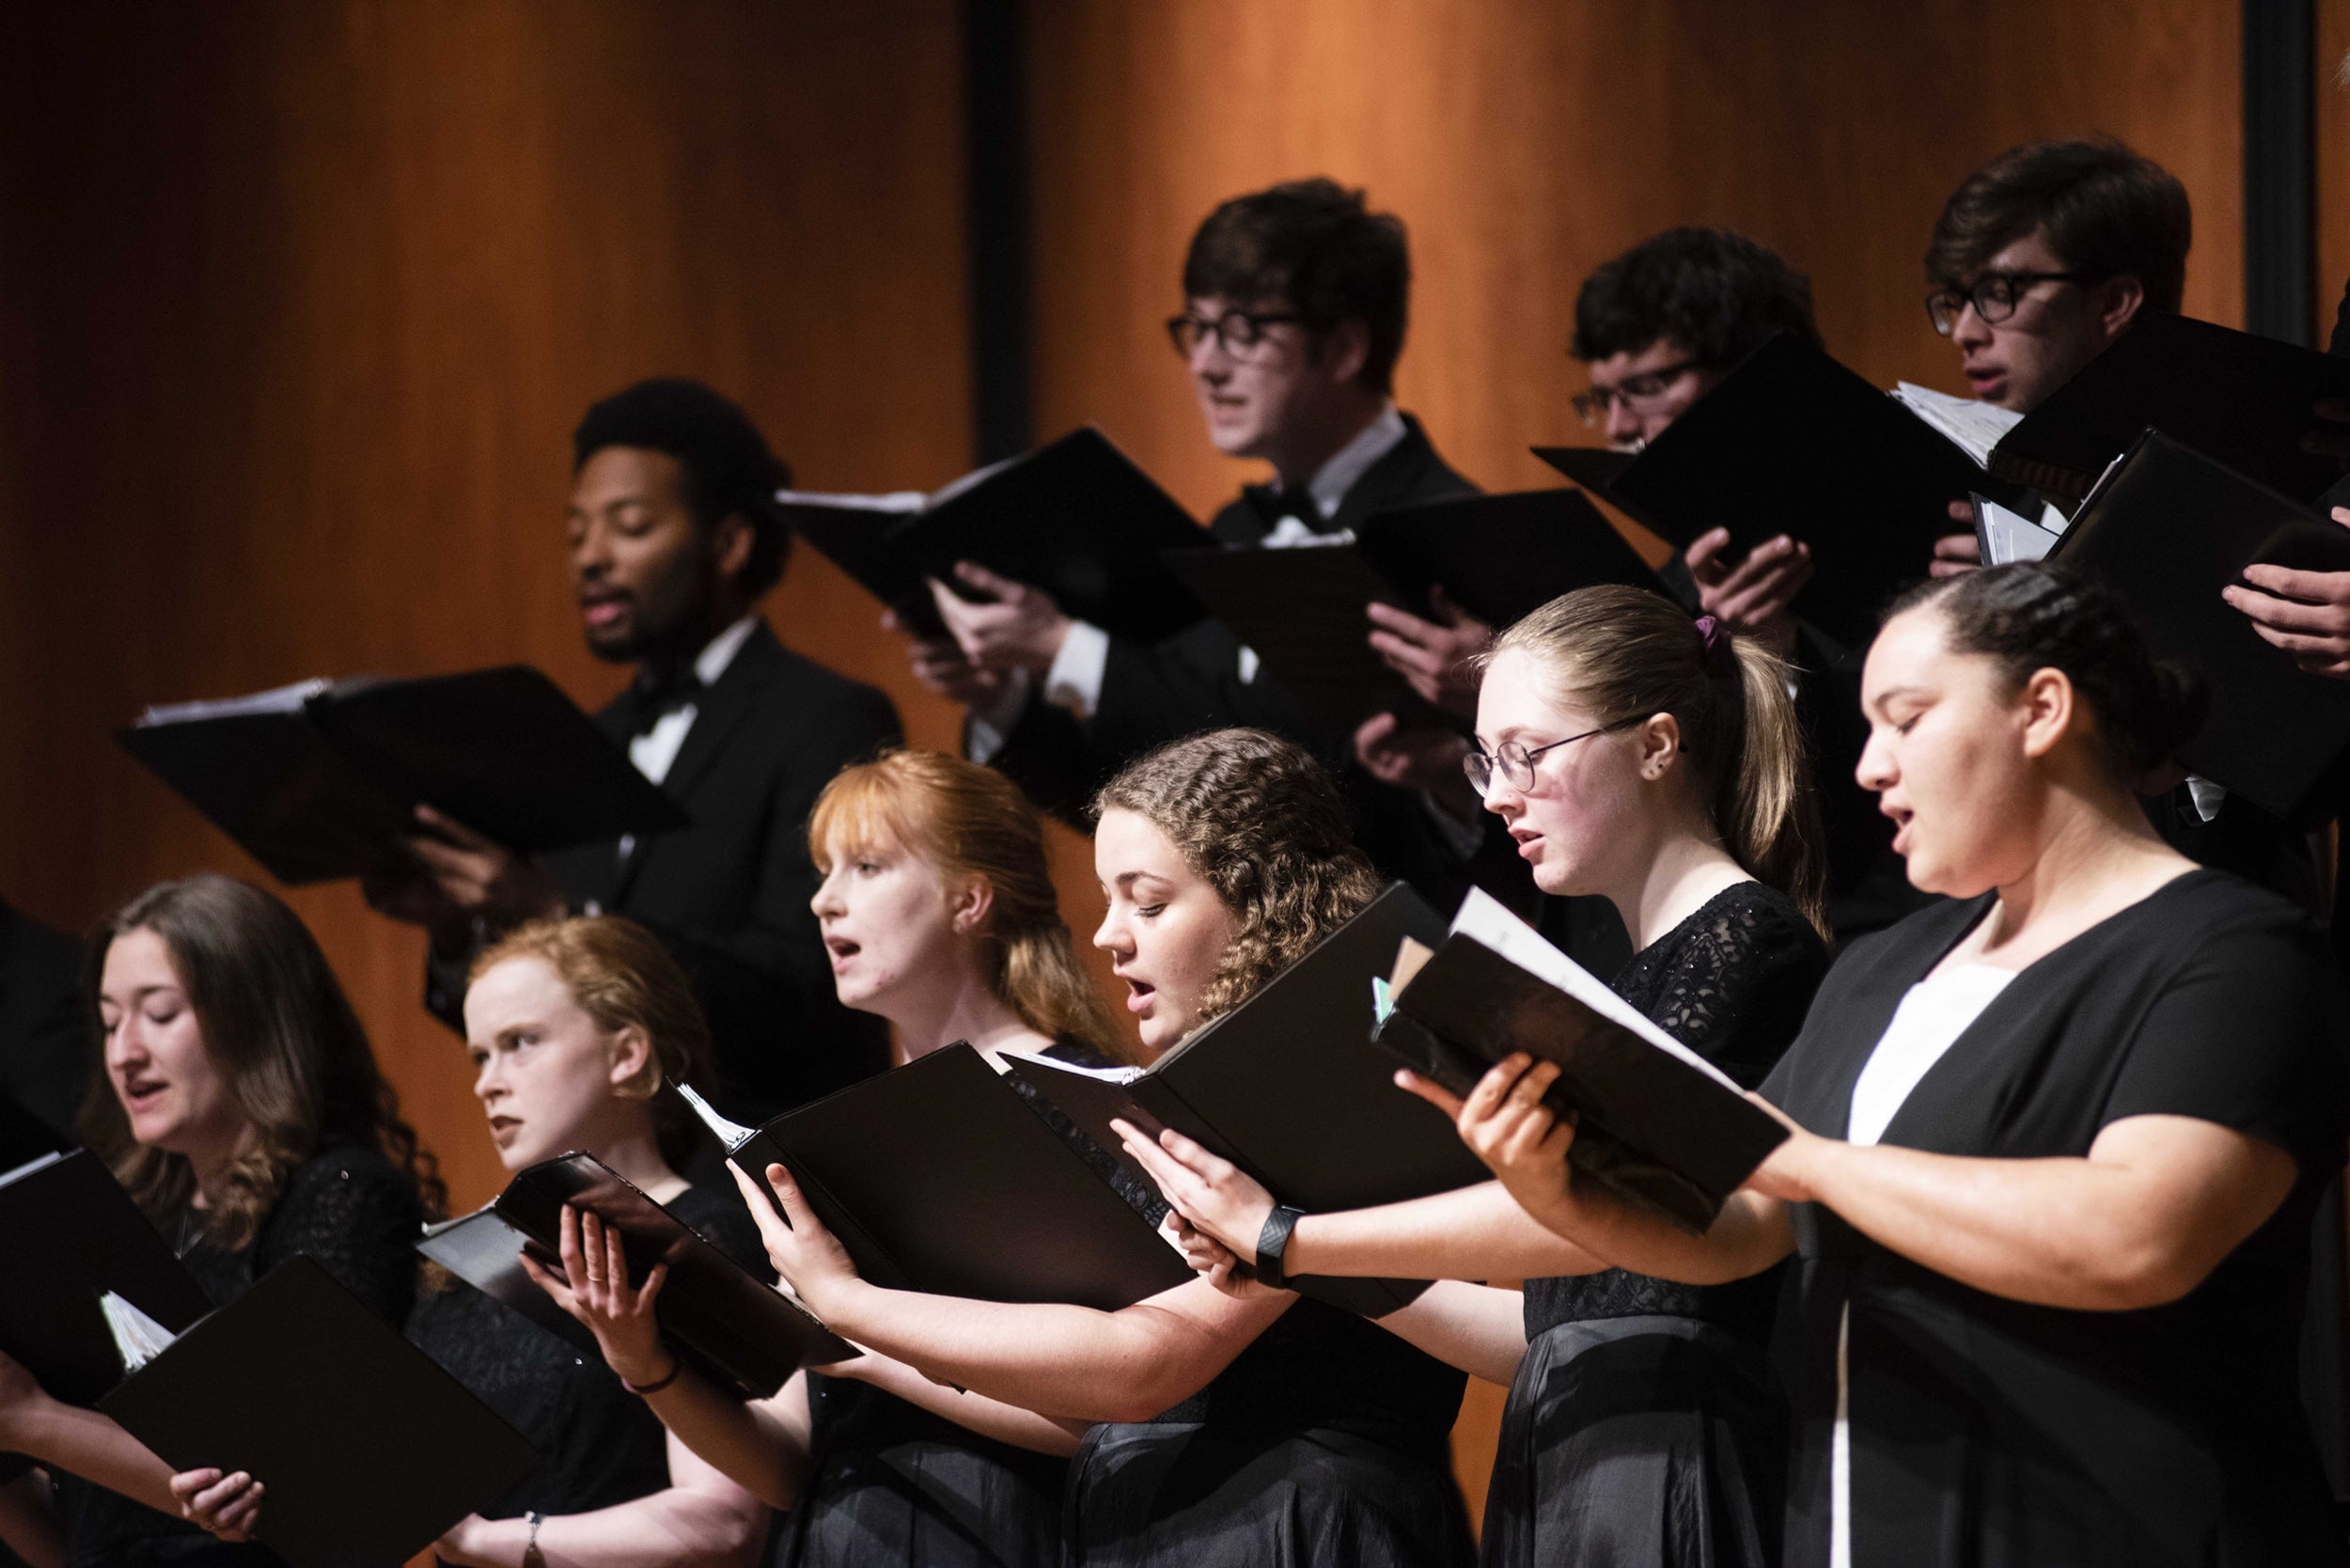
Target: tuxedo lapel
point(718, 713)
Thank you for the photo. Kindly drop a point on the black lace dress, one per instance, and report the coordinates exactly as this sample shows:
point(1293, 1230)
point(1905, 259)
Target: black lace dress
point(891, 1485)
point(1646, 1424)
point(358, 1216)
point(597, 1445)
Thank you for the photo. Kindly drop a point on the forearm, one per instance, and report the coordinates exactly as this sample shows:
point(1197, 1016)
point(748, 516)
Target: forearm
point(990, 1418)
point(761, 1446)
point(1060, 1360)
point(1749, 1235)
point(1476, 1232)
point(1477, 1328)
point(28, 1522)
point(91, 1446)
point(679, 1526)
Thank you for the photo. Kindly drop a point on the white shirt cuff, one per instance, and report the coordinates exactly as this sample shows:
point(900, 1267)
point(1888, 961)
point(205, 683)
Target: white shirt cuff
point(991, 726)
point(2208, 797)
point(1075, 680)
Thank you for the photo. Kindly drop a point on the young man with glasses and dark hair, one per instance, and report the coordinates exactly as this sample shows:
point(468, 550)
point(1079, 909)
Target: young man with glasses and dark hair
point(1295, 304)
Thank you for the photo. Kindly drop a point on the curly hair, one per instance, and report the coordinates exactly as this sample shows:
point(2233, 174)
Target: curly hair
point(972, 821)
point(620, 974)
point(1317, 247)
point(1717, 294)
point(1259, 820)
point(283, 1036)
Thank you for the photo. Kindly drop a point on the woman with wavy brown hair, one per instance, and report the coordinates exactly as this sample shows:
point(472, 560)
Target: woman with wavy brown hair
point(1241, 1425)
point(243, 1110)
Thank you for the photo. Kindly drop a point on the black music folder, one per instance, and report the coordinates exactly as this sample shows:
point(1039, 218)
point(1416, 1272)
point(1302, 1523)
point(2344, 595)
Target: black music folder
point(2241, 400)
point(80, 1252)
point(1657, 1123)
point(1300, 607)
point(729, 1325)
point(937, 1177)
point(369, 1450)
point(319, 780)
point(1076, 518)
point(1287, 1087)
point(1500, 558)
point(2167, 528)
point(1792, 442)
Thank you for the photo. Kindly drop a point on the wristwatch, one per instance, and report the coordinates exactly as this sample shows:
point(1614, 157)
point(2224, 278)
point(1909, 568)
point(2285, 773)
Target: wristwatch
point(1273, 1241)
point(532, 1555)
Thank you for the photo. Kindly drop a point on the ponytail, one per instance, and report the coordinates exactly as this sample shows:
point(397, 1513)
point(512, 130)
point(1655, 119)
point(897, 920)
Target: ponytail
point(1625, 654)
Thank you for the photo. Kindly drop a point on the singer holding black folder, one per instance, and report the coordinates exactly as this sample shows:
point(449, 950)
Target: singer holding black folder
point(2056, 1140)
point(938, 910)
point(1658, 764)
point(1257, 1428)
point(673, 538)
point(243, 1110)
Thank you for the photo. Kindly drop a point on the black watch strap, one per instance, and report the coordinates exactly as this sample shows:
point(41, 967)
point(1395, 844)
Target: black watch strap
point(1273, 1241)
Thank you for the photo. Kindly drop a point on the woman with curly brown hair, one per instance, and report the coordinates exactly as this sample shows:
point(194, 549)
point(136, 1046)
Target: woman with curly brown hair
point(243, 1110)
point(1245, 1427)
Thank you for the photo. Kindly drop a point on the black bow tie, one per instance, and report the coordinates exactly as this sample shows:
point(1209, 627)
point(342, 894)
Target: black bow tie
point(1274, 504)
point(656, 698)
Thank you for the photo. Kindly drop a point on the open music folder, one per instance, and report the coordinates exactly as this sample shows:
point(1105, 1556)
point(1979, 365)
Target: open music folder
point(319, 780)
point(368, 1449)
point(1792, 442)
point(1288, 1087)
point(1656, 1122)
point(1076, 518)
point(2166, 528)
point(938, 1177)
point(716, 1315)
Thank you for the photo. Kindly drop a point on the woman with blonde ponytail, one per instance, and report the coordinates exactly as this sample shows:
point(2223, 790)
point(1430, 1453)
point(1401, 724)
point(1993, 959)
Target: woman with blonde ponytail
point(1656, 763)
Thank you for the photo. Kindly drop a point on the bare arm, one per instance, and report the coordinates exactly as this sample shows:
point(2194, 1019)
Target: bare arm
point(82, 1442)
point(28, 1522)
point(1057, 1360)
point(989, 1418)
point(700, 1520)
point(1477, 1328)
point(2143, 1219)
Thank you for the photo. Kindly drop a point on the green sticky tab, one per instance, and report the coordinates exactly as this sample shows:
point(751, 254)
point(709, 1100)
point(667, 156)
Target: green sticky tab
point(1381, 999)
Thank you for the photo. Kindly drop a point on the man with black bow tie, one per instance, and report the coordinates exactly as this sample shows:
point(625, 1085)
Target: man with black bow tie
point(1296, 301)
point(674, 538)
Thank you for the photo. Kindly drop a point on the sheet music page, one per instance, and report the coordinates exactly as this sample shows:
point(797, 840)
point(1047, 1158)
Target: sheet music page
point(277, 699)
point(1973, 424)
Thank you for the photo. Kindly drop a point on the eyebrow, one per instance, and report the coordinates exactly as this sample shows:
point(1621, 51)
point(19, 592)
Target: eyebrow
point(137, 995)
point(1886, 695)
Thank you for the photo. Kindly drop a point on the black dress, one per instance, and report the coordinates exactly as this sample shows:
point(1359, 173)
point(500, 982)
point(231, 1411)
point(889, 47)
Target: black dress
point(1327, 1441)
point(597, 1445)
point(1986, 1431)
point(358, 1216)
point(1646, 1424)
point(892, 1486)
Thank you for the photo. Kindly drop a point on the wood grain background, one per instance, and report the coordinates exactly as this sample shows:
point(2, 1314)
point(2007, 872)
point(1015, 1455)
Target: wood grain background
point(299, 299)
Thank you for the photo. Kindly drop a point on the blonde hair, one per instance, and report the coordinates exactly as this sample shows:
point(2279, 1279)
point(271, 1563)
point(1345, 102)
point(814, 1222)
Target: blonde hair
point(1623, 653)
point(972, 821)
point(623, 976)
point(1259, 820)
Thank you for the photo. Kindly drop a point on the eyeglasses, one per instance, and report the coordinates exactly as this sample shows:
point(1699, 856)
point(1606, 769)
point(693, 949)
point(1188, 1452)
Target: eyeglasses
point(1646, 388)
point(1237, 332)
point(1517, 764)
point(1994, 295)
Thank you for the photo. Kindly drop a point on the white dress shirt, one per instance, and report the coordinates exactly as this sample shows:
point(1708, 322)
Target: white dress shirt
point(654, 752)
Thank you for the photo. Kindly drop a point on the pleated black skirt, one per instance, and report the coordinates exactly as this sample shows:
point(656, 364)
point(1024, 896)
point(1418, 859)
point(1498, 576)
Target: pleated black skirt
point(926, 1504)
point(1640, 1442)
point(1182, 1494)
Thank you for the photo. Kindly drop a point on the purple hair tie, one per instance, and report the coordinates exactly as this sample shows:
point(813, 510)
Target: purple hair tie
point(1713, 645)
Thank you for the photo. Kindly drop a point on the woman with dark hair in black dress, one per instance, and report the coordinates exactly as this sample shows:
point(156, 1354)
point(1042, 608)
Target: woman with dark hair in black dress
point(2055, 1143)
point(1654, 762)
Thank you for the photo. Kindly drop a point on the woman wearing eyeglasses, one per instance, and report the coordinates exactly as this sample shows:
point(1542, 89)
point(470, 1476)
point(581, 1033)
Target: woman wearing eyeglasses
point(1658, 763)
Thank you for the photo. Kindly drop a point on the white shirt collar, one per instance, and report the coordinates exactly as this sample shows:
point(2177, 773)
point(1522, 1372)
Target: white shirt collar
point(1333, 478)
point(712, 661)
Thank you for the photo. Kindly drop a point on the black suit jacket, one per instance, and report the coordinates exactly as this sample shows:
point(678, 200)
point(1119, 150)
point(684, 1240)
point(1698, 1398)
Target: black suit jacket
point(1153, 693)
point(729, 893)
point(47, 1053)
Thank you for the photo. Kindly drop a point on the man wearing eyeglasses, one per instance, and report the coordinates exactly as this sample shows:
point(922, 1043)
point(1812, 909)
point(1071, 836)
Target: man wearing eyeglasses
point(2040, 260)
point(1295, 306)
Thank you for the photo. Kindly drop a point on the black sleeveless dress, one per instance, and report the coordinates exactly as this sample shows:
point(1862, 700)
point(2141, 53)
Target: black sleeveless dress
point(1646, 1424)
point(892, 1486)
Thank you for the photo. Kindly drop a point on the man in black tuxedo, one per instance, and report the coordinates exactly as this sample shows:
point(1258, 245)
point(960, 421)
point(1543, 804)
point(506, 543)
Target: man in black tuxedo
point(674, 537)
point(1296, 299)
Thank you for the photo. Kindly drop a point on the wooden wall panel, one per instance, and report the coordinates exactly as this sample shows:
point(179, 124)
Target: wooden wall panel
point(299, 303)
point(1526, 141)
point(2333, 166)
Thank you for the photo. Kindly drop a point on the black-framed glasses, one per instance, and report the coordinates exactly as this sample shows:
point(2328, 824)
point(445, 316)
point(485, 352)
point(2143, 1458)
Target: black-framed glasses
point(1646, 388)
point(1236, 331)
point(1994, 295)
point(1515, 763)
